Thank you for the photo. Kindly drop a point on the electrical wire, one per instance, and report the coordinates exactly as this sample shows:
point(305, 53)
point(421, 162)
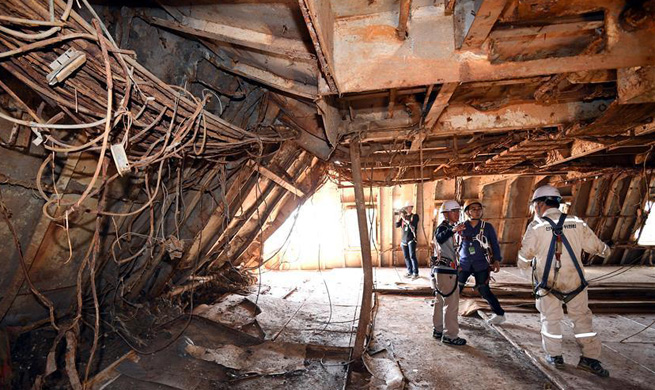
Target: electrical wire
point(639, 332)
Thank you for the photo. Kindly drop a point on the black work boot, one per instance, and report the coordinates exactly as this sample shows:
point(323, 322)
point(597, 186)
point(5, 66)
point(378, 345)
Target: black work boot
point(436, 335)
point(458, 341)
point(557, 361)
point(593, 366)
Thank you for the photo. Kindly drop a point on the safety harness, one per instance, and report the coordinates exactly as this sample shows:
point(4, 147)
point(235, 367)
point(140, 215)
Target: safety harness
point(445, 266)
point(555, 251)
point(484, 243)
point(411, 228)
point(481, 239)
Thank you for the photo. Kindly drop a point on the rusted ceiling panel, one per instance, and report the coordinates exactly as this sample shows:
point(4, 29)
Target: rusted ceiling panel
point(636, 85)
point(274, 50)
point(429, 56)
point(458, 119)
point(617, 119)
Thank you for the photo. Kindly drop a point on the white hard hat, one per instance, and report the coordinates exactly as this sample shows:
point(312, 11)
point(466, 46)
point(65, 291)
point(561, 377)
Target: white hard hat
point(546, 191)
point(409, 204)
point(450, 205)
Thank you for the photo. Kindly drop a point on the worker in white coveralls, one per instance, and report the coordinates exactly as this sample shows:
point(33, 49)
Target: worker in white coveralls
point(443, 276)
point(553, 243)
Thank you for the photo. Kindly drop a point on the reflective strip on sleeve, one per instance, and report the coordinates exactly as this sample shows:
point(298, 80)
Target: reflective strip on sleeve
point(581, 335)
point(552, 336)
point(575, 219)
point(524, 259)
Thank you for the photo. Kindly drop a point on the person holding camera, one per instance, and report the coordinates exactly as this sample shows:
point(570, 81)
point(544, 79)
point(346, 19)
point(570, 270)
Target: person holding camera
point(479, 253)
point(409, 224)
point(443, 274)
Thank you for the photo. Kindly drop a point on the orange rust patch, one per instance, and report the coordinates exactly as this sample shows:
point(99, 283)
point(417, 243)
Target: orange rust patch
point(379, 32)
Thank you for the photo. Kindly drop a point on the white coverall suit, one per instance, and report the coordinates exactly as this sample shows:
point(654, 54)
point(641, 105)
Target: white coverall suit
point(536, 243)
point(446, 309)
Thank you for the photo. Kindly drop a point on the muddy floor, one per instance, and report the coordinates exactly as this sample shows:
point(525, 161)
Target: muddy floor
point(313, 314)
point(403, 325)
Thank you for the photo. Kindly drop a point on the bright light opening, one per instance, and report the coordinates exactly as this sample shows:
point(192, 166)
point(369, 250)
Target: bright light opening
point(648, 233)
point(352, 227)
point(313, 233)
point(319, 233)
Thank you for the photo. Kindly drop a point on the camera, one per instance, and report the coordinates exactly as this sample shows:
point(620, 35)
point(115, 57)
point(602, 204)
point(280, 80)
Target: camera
point(401, 212)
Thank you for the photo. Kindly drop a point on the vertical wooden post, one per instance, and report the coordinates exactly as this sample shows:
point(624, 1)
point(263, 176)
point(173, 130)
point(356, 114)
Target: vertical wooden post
point(421, 235)
point(365, 309)
point(385, 216)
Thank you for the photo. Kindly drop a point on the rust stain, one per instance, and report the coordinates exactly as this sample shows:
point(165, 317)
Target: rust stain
point(377, 33)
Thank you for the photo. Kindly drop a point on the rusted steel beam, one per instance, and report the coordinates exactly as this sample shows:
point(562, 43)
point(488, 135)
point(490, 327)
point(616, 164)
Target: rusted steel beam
point(459, 119)
point(263, 76)
point(449, 7)
point(291, 48)
point(417, 141)
point(558, 28)
point(549, 90)
point(390, 176)
point(506, 201)
point(310, 175)
point(276, 179)
point(440, 103)
point(403, 19)
point(465, 120)
point(485, 18)
point(319, 19)
point(374, 95)
point(203, 238)
point(495, 83)
point(302, 116)
point(429, 163)
point(250, 235)
point(580, 148)
point(331, 118)
point(392, 102)
point(153, 266)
